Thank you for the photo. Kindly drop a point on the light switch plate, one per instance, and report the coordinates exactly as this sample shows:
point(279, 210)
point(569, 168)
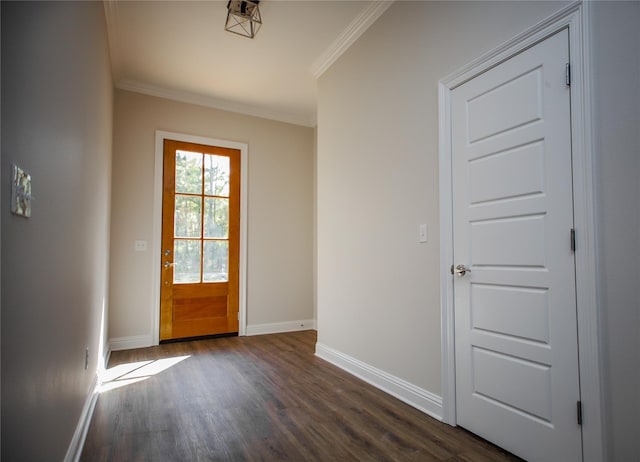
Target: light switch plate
point(140, 246)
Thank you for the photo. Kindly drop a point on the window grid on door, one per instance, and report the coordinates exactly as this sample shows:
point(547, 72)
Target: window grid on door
point(201, 218)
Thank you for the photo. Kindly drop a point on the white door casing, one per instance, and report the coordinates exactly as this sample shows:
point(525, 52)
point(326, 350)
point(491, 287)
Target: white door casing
point(156, 244)
point(517, 377)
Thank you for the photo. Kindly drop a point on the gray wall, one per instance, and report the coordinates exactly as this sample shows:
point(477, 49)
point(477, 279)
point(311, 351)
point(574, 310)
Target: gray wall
point(57, 124)
point(377, 179)
point(616, 123)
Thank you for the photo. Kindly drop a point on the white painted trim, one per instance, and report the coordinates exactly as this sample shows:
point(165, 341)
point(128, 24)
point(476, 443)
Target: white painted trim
point(215, 103)
point(105, 366)
point(414, 396)
point(156, 243)
point(348, 37)
point(129, 343)
point(278, 327)
point(112, 19)
point(593, 444)
point(80, 435)
point(447, 326)
point(575, 18)
point(77, 442)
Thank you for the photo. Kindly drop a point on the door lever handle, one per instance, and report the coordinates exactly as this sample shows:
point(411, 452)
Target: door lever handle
point(460, 270)
point(167, 264)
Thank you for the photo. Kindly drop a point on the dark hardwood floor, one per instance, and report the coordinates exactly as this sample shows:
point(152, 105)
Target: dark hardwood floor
point(262, 398)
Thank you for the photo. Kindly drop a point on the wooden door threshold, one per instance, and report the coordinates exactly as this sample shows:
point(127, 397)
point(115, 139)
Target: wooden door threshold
point(199, 337)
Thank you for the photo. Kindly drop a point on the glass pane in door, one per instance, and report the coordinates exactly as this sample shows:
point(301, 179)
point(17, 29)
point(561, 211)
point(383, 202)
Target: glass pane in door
point(216, 261)
point(188, 216)
point(188, 172)
point(216, 217)
point(186, 261)
point(216, 175)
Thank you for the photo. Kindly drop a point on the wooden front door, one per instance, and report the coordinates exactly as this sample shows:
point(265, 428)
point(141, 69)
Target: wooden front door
point(199, 293)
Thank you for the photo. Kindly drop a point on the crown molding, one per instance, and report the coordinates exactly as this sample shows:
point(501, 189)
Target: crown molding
point(111, 17)
point(215, 103)
point(348, 37)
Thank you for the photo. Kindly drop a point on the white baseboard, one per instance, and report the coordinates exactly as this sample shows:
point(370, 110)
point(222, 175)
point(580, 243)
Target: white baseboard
point(421, 399)
point(128, 343)
point(77, 442)
point(278, 327)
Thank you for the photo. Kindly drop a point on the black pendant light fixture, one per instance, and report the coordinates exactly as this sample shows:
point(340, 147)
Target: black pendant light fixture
point(243, 17)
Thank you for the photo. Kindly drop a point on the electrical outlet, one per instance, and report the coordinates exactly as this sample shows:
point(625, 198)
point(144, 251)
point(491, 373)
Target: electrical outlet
point(86, 359)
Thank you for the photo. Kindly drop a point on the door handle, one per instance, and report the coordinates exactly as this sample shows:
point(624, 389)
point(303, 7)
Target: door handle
point(167, 264)
point(460, 270)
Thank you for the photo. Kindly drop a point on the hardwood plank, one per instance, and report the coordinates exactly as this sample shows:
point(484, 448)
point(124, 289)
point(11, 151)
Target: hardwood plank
point(262, 398)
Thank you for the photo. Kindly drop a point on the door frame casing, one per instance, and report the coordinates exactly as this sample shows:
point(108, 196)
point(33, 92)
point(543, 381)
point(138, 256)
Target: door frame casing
point(574, 17)
point(156, 244)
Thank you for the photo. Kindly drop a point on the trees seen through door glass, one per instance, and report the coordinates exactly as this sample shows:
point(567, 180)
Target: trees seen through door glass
point(201, 218)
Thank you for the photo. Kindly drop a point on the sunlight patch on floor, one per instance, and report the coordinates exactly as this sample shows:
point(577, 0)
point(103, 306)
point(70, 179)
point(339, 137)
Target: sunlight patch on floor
point(127, 374)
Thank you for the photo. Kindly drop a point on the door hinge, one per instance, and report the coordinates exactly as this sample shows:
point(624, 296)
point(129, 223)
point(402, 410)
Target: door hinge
point(567, 74)
point(579, 409)
point(573, 239)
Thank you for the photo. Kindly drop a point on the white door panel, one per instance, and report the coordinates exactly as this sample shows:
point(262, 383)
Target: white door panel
point(499, 241)
point(501, 378)
point(509, 207)
point(515, 312)
point(526, 167)
point(507, 141)
point(518, 311)
point(523, 94)
point(512, 345)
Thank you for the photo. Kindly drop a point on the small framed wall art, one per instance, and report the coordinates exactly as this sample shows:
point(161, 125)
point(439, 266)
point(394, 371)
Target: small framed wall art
point(20, 192)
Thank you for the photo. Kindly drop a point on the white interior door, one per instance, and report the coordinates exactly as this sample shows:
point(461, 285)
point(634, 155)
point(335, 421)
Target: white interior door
point(515, 312)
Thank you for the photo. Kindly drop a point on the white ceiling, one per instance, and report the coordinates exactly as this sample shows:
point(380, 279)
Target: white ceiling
point(180, 50)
